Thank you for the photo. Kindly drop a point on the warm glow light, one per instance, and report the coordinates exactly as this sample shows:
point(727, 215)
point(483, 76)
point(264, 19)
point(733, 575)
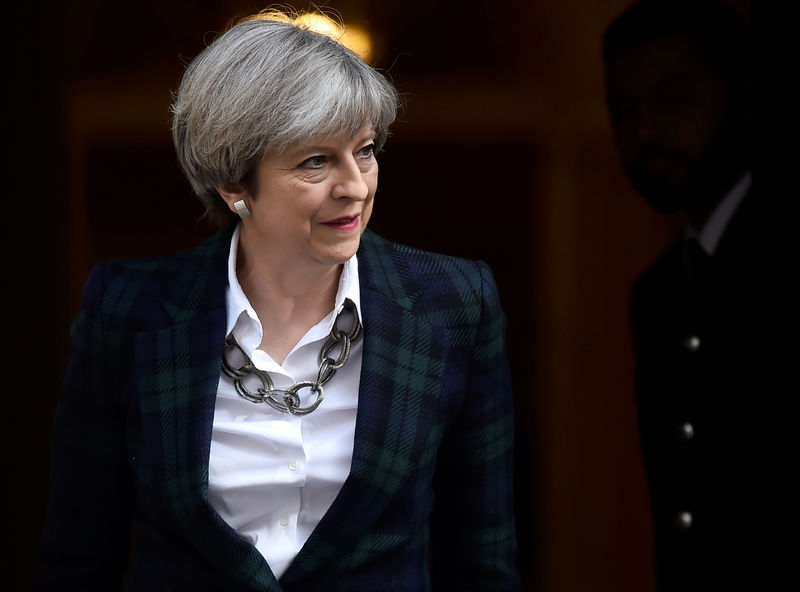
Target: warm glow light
point(320, 23)
point(359, 41)
point(355, 38)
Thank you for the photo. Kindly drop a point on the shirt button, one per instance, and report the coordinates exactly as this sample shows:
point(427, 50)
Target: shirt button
point(683, 520)
point(692, 343)
point(293, 465)
point(686, 431)
point(284, 521)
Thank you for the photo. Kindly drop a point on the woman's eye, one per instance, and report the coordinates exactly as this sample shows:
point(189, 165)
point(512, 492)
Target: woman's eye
point(367, 151)
point(314, 162)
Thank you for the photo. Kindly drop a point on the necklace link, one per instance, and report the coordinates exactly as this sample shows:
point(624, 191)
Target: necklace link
point(288, 400)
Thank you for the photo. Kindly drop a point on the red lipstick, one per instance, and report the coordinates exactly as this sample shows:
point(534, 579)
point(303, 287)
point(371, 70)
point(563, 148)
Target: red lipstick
point(344, 223)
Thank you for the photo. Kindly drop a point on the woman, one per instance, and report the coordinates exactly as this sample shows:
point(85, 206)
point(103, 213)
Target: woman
point(297, 404)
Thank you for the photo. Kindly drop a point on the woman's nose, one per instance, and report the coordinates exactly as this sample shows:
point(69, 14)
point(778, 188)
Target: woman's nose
point(350, 182)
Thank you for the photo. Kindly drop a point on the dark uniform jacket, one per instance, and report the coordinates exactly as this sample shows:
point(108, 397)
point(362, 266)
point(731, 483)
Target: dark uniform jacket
point(717, 344)
point(431, 463)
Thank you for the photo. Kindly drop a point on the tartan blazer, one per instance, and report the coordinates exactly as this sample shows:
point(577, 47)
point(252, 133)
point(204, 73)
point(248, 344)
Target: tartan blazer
point(428, 502)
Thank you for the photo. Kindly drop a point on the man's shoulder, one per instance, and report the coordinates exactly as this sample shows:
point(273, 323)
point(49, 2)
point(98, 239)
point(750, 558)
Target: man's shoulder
point(666, 269)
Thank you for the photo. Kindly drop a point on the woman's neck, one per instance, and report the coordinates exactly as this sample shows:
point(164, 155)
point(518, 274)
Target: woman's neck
point(288, 299)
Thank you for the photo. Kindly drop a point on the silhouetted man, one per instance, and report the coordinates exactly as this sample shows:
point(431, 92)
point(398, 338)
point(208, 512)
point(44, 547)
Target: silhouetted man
point(714, 320)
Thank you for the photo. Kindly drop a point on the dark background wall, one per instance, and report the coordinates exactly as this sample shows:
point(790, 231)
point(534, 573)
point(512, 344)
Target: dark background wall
point(502, 153)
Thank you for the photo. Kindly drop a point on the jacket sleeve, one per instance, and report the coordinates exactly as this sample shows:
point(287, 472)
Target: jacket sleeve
point(473, 540)
point(86, 538)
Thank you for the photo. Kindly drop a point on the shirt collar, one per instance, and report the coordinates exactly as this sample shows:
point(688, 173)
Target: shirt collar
point(249, 332)
point(711, 232)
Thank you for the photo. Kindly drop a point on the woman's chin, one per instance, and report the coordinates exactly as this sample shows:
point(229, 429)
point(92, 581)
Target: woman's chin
point(336, 253)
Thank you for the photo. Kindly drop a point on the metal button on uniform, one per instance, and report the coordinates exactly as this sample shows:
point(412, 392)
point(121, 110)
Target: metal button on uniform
point(692, 343)
point(683, 520)
point(686, 431)
point(293, 465)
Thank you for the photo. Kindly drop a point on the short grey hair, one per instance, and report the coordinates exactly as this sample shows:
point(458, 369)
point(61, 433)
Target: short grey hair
point(266, 83)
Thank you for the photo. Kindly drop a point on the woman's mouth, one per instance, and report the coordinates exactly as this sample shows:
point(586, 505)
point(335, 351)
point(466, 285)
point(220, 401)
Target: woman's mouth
point(344, 223)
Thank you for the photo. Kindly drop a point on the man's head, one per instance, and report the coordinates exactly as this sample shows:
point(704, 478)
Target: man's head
point(677, 89)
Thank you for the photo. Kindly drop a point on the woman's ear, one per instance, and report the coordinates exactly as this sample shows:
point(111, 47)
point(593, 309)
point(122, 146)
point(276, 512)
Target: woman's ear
point(236, 197)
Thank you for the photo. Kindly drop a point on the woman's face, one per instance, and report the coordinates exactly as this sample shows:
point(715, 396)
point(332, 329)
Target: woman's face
point(313, 200)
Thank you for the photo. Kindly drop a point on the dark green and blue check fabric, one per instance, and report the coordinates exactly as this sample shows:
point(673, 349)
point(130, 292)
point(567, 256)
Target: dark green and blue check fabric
point(428, 503)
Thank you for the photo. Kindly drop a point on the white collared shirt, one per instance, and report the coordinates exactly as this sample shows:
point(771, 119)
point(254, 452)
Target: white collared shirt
point(273, 475)
point(714, 227)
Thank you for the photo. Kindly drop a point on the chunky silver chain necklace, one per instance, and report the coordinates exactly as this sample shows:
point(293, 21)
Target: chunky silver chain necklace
point(288, 400)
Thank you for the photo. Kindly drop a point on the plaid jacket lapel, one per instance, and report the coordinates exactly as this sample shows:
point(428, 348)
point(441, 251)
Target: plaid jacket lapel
point(401, 372)
point(178, 369)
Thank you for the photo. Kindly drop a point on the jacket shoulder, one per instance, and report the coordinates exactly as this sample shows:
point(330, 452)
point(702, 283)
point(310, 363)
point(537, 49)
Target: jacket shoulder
point(127, 289)
point(441, 285)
